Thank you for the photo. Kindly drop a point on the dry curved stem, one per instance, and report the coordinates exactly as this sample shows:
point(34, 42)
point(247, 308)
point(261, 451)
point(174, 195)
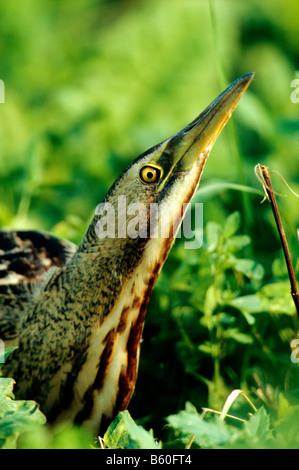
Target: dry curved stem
point(230, 400)
point(259, 175)
point(228, 403)
point(264, 177)
point(210, 410)
point(190, 441)
point(287, 185)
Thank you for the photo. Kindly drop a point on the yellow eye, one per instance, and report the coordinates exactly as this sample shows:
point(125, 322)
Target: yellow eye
point(150, 174)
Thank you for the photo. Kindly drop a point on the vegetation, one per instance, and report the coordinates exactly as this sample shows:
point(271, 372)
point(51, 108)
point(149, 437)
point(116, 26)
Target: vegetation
point(88, 86)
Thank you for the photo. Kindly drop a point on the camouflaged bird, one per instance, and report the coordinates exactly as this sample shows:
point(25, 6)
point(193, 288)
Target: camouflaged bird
point(76, 314)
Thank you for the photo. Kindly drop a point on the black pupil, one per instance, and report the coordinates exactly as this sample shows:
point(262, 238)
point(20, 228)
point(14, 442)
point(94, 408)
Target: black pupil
point(150, 175)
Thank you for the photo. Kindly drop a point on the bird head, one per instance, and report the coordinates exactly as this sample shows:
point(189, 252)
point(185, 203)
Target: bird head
point(146, 204)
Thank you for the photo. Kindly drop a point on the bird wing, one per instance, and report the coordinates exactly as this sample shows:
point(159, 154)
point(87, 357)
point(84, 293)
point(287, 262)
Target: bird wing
point(25, 259)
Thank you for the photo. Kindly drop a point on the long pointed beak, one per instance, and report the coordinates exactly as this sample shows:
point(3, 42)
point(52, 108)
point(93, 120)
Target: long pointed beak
point(195, 141)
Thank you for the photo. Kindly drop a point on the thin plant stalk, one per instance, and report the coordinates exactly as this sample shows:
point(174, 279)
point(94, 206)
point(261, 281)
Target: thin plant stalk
point(268, 188)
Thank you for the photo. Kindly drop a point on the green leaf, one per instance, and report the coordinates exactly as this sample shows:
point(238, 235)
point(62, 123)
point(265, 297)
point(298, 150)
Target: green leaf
point(206, 348)
point(250, 303)
point(210, 302)
point(276, 297)
point(6, 386)
point(212, 433)
point(124, 433)
point(237, 242)
point(249, 268)
point(213, 232)
point(15, 416)
point(254, 434)
point(238, 336)
point(258, 425)
point(231, 225)
point(4, 354)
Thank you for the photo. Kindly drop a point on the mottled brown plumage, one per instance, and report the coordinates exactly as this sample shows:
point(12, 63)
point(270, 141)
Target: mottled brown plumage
point(77, 315)
point(26, 257)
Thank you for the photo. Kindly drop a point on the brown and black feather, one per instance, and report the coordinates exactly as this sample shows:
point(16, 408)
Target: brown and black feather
point(26, 257)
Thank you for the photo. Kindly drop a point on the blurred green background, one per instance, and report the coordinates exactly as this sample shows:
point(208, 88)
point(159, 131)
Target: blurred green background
point(91, 84)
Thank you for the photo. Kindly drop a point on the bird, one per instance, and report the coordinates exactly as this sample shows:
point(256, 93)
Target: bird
point(75, 315)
